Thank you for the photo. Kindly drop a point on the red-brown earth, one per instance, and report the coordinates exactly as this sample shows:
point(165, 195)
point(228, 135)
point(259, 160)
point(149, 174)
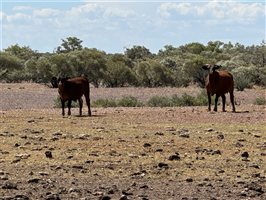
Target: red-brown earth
point(130, 153)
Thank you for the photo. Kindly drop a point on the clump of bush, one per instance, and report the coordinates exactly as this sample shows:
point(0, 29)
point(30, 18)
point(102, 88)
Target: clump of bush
point(184, 100)
point(260, 101)
point(126, 101)
point(129, 101)
point(155, 101)
point(104, 103)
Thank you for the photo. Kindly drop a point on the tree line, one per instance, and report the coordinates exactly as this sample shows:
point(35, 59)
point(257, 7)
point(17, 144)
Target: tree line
point(137, 66)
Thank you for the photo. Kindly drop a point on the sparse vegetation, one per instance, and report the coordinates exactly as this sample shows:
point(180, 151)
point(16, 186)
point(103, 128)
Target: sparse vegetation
point(260, 101)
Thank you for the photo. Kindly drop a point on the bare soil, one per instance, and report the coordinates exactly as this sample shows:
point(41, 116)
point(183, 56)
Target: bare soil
point(130, 153)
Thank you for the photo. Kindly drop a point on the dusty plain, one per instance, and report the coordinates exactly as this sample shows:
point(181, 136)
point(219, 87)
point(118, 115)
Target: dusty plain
point(130, 153)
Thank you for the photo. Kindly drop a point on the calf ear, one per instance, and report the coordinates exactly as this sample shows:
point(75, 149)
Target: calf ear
point(206, 67)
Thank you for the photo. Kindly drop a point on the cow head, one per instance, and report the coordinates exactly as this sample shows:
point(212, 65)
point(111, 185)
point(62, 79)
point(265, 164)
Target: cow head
point(211, 67)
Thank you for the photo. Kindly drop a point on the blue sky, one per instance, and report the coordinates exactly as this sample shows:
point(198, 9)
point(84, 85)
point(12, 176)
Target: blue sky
point(112, 26)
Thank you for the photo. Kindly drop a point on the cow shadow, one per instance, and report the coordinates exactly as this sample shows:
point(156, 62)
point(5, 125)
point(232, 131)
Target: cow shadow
point(87, 116)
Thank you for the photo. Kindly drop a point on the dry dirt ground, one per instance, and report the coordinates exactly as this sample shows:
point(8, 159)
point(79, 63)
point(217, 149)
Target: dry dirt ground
point(129, 153)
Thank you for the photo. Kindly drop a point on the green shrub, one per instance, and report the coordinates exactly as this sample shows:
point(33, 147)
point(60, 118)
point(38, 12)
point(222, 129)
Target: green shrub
point(202, 99)
point(159, 101)
point(242, 82)
point(104, 103)
point(184, 100)
point(129, 101)
point(260, 101)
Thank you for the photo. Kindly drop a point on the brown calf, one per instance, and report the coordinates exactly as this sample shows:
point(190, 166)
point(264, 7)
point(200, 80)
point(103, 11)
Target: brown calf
point(74, 89)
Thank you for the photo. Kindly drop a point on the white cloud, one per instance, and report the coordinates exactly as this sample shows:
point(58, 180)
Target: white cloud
point(214, 9)
point(46, 12)
point(117, 12)
point(17, 17)
point(22, 8)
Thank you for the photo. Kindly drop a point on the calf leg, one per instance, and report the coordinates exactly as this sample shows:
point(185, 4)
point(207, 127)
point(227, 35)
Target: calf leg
point(80, 106)
point(63, 107)
point(209, 101)
point(69, 107)
point(223, 98)
point(216, 102)
point(232, 101)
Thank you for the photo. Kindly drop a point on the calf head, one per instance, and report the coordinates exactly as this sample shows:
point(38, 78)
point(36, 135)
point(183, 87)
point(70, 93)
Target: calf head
point(54, 82)
point(211, 67)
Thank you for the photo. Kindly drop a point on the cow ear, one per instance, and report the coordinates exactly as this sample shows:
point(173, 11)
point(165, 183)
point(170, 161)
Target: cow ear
point(217, 67)
point(206, 67)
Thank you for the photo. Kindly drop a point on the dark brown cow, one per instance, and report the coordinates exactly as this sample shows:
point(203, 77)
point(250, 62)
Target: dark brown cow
point(73, 89)
point(219, 83)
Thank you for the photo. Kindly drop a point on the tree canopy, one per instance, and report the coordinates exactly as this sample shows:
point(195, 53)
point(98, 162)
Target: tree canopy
point(137, 66)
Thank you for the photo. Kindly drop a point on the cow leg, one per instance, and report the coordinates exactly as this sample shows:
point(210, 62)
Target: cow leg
point(69, 107)
point(216, 102)
point(80, 106)
point(63, 107)
point(209, 101)
point(232, 101)
point(88, 101)
point(223, 98)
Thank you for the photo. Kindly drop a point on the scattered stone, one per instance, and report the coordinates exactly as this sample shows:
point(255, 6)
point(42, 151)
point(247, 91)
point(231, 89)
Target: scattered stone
point(52, 197)
point(10, 186)
point(127, 193)
point(174, 157)
point(189, 180)
point(163, 165)
point(48, 154)
point(210, 129)
point(83, 137)
point(245, 154)
point(57, 134)
point(147, 145)
point(220, 136)
point(89, 161)
point(4, 177)
point(216, 152)
point(159, 150)
point(77, 167)
point(34, 180)
point(170, 129)
point(73, 190)
point(44, 173)
point(124, 197)
point(23, 156)
point(144, 187)
point(159, 133)
point(105, 198)
point(200, 158)
point(238, 144)
point(16, 197)
point(16, 145)
point(255, 187)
